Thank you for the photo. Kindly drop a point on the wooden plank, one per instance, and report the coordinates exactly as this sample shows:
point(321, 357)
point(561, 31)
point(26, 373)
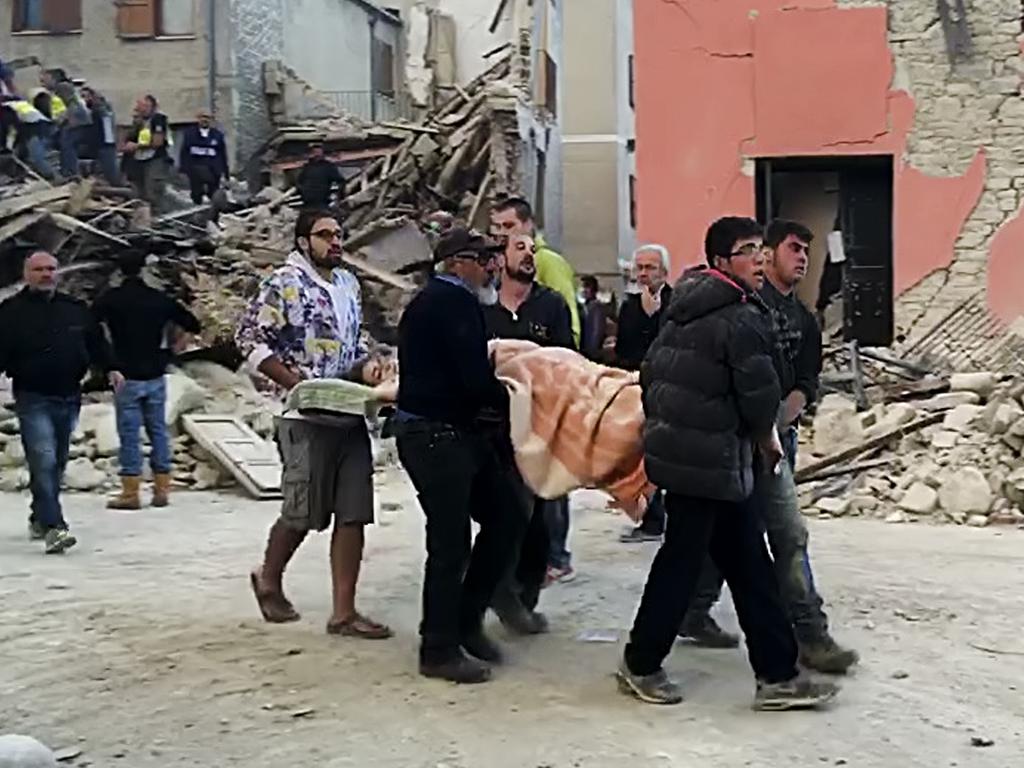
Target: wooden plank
point(12, 206)
point(251, 460)
point(851, 453)
point(20, 223)
point(70, 222)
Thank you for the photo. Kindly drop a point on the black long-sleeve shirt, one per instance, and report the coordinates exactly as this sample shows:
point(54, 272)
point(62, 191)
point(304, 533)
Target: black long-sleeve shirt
point(797, 341)
point(637, 330)
point(48, 342)
point(137, 317)
point(542, 318)
point(446, 374)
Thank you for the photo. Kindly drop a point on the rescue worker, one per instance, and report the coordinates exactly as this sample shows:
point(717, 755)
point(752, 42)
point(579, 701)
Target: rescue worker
point(103, 144)
point(147, 148)
point(318, 179)
point(204, 157)
point(29, 130)
point(449, 405)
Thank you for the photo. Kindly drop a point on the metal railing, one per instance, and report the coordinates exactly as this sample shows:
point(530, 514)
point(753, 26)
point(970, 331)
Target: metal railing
point(366, 105)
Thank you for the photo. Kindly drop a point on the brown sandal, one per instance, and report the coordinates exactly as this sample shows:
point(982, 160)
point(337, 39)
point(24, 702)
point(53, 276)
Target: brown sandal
point(361, 627)
point(275, 607)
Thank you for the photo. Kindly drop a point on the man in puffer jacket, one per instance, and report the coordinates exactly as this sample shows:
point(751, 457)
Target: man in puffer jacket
point(710, 395)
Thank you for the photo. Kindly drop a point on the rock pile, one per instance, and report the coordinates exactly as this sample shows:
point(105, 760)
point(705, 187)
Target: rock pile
point(200, 387)
point(966, 468)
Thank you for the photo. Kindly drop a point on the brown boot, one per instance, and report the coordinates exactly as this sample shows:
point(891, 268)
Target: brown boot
point(161, 490)
point(129, 496)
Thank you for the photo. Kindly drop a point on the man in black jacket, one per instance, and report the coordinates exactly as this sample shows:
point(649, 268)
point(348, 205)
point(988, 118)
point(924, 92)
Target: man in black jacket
point(140, 320)
point(204, 157)
point(527, 311)
point(318, 178)
point(48, 342)
point(638, 325)
point(798, 360)
point(710, 394)
point(449, 404)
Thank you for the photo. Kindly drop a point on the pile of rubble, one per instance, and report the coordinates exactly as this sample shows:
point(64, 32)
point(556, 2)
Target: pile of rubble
point(957, 456)
point(199, 387)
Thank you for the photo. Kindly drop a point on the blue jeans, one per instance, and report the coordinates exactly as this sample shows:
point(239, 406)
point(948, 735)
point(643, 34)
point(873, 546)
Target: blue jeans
point(556, 515)
point(141, 404)
point(106, 158)
point(46, 425)
point(67, 140)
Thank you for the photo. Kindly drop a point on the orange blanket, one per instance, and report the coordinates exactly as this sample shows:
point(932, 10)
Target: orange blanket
point(575, 423)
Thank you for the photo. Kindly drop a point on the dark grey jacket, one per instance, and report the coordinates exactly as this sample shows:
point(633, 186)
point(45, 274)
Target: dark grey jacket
point(709, 389)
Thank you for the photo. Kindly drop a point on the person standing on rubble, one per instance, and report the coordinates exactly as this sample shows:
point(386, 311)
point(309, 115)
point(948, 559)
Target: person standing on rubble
point(304, 324)
point(798, 364)
point(146, 152)
point(318, 179)
point(48, 343)
point(104, 134)
point(452, 411)
point(139, 320)
point(204, 157)
point(514, 216)
point(527, 311)
point(639, 321)
point(710, 395)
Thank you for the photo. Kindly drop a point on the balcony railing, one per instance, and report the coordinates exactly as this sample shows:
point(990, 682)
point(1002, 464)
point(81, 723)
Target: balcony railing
point(366, 105)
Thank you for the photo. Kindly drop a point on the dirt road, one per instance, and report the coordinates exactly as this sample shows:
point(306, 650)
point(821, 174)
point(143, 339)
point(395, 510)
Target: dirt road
point(142, 647)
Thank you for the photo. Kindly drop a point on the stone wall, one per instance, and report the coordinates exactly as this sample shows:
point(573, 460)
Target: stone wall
point(961, 108)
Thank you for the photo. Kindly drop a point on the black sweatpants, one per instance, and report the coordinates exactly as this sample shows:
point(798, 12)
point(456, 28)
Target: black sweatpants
point(458, 478)
point(729, 531)
point(203, 182)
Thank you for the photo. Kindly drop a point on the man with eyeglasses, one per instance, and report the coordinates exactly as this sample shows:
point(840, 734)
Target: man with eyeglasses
point(710, 396)
point(452, 412)
point(304, 324)
point(798, 359)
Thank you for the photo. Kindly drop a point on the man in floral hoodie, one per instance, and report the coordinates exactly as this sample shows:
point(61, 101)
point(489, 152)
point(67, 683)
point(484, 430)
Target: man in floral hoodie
point(304, 324)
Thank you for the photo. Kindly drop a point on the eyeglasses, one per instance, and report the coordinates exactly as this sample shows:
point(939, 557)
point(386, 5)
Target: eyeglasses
point(328, 234)
point(747, 250)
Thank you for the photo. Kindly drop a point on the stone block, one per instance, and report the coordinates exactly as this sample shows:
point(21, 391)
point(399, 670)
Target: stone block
point(965, 491)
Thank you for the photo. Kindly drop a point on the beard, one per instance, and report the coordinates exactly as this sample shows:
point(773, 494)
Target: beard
point(328, 260)
point(520, 275)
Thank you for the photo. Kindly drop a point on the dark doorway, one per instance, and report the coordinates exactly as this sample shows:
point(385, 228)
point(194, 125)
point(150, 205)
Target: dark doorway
point(852, 195)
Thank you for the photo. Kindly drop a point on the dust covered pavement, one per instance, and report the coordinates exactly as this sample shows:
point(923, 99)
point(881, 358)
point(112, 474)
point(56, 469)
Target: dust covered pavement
point(142, 647)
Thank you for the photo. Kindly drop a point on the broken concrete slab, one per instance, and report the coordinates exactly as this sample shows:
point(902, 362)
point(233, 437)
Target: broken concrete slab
point(920, 499)
point(965, 491)
point(961, 417)
point(982, 383)
point(948, 400)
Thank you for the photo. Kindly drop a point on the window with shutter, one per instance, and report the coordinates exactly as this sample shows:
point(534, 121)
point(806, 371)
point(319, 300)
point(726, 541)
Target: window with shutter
point(54, 16)
point(174, 18)
point(136, 18)
point(384, 67)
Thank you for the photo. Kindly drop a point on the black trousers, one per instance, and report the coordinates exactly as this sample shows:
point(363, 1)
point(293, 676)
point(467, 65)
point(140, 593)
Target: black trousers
point(730, 532)
point(524, 577)
point(203, 182)
point(459, 478)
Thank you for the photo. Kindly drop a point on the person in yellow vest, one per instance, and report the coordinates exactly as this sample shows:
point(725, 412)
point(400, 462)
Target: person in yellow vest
point(514, 216)
point(147, 148)
point(28, 129)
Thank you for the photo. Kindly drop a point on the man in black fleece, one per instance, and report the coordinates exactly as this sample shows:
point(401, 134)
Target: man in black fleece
point(47, 344)
point(449, 404)
point(710, 394)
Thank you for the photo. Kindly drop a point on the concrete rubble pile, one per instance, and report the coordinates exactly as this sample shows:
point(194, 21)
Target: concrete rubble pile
point(198, 387)
point(956, 456)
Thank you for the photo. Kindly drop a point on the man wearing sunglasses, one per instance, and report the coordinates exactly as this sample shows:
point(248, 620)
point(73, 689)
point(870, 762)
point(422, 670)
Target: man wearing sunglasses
point(450, 405)
point(798, 357)
point(305, 324)
point(710, 396)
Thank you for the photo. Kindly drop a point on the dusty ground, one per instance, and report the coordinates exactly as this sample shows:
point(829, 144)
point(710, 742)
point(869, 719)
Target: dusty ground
point(142, 648)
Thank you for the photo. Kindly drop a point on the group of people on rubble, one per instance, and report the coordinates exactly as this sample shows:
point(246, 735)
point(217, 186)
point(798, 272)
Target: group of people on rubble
point(728, 360)
point(78, 121)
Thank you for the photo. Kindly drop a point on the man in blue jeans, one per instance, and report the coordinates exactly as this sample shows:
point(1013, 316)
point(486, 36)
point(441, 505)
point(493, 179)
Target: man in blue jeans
point(798, 361)
point(48, 342)
point(141, 321)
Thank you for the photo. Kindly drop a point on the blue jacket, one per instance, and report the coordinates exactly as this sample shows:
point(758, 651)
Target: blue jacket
point(209, 151)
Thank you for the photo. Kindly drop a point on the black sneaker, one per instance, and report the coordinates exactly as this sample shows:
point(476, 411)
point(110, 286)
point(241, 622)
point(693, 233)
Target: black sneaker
point(58, 541)
point(798, 693)
point(828, 657)
point(480, 646)
point(36, 531)
point(704, 632)
point(459, 669)
point(655, 688)
point(638, 536)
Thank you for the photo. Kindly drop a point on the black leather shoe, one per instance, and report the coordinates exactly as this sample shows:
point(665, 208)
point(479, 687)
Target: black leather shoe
point(458, 669)
point(480, 646)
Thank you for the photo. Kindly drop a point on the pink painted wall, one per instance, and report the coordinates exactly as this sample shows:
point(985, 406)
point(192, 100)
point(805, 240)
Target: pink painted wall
point(720, 80)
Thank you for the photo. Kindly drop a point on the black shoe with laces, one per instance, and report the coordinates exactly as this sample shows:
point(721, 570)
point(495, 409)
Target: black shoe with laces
point(458, 668)
point(704, 632)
